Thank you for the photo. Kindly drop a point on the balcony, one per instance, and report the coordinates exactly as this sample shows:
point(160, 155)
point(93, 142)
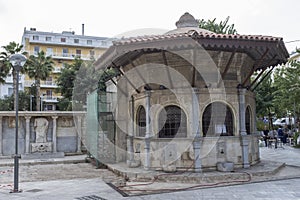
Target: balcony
point(44, 84)
point(57, 70)
point(67, 56)
point(51, 99)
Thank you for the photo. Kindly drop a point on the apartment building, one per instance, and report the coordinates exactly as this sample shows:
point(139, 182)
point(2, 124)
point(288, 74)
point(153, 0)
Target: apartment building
point(63, 47)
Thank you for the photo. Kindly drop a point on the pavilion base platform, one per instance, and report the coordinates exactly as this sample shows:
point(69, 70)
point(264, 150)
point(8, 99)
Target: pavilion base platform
point(45, 155)
point(138, 181)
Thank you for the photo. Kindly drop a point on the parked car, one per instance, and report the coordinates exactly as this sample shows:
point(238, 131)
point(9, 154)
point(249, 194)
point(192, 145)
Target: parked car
point(284, 121)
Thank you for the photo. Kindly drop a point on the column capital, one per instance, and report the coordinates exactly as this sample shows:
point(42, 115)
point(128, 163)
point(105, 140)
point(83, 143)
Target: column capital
point(27, 117)
point(54, 117)
point(242, 90)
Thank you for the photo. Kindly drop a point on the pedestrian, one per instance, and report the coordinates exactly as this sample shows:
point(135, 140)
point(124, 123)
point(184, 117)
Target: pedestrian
point(266, 135)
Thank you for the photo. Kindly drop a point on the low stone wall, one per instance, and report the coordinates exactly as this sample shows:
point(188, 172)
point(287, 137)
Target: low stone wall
point(179, 152)
point(49, 131)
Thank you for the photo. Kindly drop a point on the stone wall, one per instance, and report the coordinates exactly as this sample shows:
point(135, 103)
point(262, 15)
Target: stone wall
point(62, 131)
point(180, 153)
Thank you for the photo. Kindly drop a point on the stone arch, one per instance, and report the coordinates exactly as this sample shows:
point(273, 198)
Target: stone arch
point(218, 119)
point(172, 122)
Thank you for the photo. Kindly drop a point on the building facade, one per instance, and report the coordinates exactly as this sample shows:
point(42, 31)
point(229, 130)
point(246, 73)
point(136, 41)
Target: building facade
point(64, 48)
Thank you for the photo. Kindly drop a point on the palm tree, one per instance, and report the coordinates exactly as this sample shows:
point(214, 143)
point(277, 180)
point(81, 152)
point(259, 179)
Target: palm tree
point(39, 68)
point(6, 67)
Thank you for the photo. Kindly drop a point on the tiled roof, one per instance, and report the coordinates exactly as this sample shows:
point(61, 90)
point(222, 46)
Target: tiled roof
point(198, 35)
point(255, 46)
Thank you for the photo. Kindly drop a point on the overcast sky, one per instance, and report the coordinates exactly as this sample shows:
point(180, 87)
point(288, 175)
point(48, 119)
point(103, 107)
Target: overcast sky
point(109, 18)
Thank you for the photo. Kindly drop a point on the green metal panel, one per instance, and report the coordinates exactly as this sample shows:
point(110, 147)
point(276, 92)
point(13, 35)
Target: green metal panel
point(92, 124)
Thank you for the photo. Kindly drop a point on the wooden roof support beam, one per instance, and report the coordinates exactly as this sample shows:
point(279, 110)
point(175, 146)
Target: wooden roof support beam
point(227, 67)
point(121, 72)
point(265, 76)
point(114, 82)
point(168, 71)
point(259, 75)
point(138, 72)
point(252, 70)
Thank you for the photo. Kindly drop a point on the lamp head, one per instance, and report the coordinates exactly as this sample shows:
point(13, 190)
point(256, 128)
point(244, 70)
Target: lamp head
point(17, 61)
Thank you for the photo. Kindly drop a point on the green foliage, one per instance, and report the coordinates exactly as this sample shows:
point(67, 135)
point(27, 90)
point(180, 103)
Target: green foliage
point(105, 76)
point(264, 97)
point(5, 66)
point(77, 80)
point(222, 27)
point(7, 104)
point(86, 81)
point(279, 93)
point(66, 79)
point(64, 104)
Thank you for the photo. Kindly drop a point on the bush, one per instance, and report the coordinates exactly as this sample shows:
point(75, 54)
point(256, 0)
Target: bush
point(296, 135)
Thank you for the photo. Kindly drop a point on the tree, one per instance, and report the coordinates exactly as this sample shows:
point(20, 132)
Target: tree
point(7, 104)
point(6, 67)
point(77, 80)
point(287, 83)
point(223, 27)
point(87, 80)
point(65, 84)
point(265, 98)
point(39, 68)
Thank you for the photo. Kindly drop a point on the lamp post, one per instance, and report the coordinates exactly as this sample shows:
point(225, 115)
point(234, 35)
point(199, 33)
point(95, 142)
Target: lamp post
point(17, 61)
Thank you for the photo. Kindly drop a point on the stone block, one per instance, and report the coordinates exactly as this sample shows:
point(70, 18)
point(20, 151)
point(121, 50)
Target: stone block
point(225, 166)
point(41, 147)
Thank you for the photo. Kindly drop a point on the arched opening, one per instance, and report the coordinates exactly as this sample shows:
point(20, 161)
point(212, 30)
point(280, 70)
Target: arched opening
point(248, 120)
point(217, 120)
point(141, 122)
point(172, 122)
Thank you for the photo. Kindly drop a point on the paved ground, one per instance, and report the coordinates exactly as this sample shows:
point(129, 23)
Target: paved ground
point(64, 180)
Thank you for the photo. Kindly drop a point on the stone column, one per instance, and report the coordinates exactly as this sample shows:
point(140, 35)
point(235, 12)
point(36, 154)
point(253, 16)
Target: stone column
point(130, 161)
point(54, 134)
point(27, 135)
point(243, 132)
point(148, 134)
point(1, 137)
point(196, 132)
point(79, 133)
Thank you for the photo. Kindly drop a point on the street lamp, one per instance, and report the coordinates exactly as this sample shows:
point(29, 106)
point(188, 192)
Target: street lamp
point(17, 61)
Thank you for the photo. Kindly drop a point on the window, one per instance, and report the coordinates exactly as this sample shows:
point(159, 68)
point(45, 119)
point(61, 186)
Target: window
point(49, 94)
point(78, 52)
point(76, 41)
point(248, 120)
point(36, 50)
point(49, 81)
point(48, 38)
point(89, 42)
point(65, 52)
point(49, 107)
point(10, 91)
point(49, 52)
point(172, 122)
point(92, 52)
point(35, 37)
point(141, 121)
point(63, 39)
point(217, 120)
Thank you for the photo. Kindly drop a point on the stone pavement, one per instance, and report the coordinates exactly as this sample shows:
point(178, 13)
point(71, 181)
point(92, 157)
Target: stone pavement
point(65, 180)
